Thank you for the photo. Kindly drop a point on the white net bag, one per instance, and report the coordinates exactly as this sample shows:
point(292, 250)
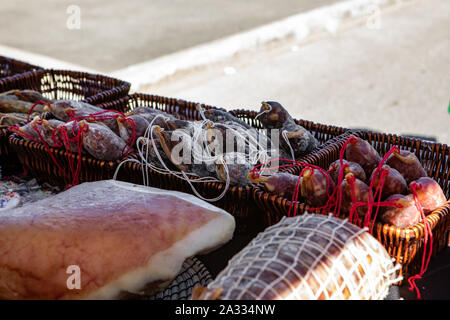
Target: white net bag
point(307, 257)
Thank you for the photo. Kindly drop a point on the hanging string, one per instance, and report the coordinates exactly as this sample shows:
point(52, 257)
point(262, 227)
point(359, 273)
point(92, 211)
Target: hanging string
point(34, 105)
point(201, 111)
point(34, 125)
point(148, 137)
point(104, 115)
point(428, 235)
point(338, 189)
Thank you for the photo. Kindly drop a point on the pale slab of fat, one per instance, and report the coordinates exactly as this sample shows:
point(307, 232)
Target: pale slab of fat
point(166, 264)
point(22, 227)
point(308, 257)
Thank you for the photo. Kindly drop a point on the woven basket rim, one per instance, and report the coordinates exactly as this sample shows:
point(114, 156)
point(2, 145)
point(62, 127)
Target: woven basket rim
point(149, 97)
point(412, 232)
point(25, 66)
point(401, 137)
point(116, 87)
point(408, 232)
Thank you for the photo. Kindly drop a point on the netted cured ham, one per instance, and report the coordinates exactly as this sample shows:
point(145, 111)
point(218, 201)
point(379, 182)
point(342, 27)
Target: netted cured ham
point(306, 257)
point(123, 238)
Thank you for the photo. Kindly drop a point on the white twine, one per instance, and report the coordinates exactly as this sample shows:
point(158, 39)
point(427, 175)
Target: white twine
point(200, 110)
point(286, 139)
point(201, 153)
point(264, 111)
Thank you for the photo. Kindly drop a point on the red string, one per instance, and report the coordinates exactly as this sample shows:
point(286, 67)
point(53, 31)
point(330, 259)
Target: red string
point(16, 129)
point(100, 116)
point(47, 148)
point(131, 140)
point(256, 172)
point(295, 195)
point(60, 137)
point(379, 188)
point(33, 106)
point(428, 233)
point(379, 191)
point(337, 208)
point(354, 208)
point(66, 143)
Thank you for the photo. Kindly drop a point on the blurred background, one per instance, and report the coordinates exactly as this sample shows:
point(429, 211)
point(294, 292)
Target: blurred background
point(380, 64)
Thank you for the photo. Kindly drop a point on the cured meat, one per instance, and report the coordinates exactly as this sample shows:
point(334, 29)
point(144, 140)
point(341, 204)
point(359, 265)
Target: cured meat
point(220, 116)
point(123, 238)
point(40, 131)
point(362, 152)
point(28, 131)
point(101, 142)
point(128, 124)
point(298, 138)
point(282, 184)
point(429, 193)
point(404, 214)
point(31, 96)
point(234, 168)
point(273, 115)
point(294, 139)
point(393, 183)
point(349, 167)
point(407, 164)
point(21, 101)
point(66, 110)
point(306, 257)
point(316, 187)
point(11, 119)
point(47, 129)
point(354, 191)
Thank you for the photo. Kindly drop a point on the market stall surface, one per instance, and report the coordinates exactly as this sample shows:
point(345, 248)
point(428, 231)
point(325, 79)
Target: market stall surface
point(432, 286)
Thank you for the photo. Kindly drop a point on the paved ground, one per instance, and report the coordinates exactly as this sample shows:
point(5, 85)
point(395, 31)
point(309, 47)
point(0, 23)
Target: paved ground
point(115, 34)
point(395, 79)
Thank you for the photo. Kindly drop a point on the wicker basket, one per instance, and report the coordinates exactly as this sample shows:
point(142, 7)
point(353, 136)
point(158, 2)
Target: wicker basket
point(10, 67)
point(59, 84)
point(238, 200)
point(38, 161)
point(405, 245)
point(64, 84)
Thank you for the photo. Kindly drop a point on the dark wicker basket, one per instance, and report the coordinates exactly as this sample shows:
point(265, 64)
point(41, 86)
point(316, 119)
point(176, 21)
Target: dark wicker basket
point(59, 84)
point(10, 67)
point(36, 159)
point(64, 84)
point(238, 200)
point(405, 245)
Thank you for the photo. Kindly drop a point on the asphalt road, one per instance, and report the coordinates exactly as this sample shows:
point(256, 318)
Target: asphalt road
point(394, 79)
point(115, 34)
